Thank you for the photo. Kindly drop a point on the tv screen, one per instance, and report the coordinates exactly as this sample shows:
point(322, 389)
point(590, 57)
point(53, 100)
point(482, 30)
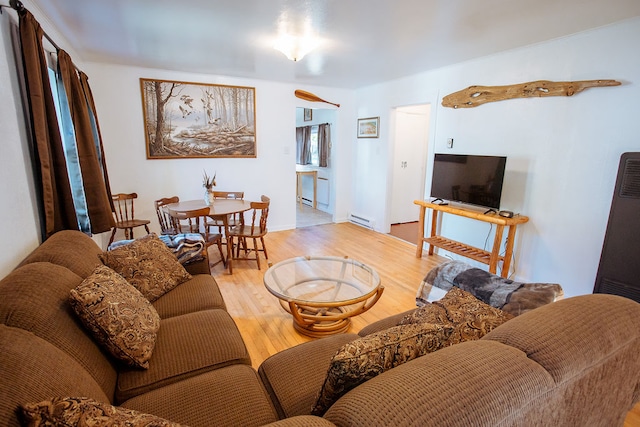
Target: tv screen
point(472, 179)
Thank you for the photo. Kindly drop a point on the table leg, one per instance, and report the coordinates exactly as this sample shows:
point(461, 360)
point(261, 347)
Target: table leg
point(315, 190)
point(508, 254)
point(434, 227)
point(420, 232)
point(495, 253)
point(225, 221)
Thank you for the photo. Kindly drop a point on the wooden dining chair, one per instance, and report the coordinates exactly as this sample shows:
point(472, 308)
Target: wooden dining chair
point(254, 231)
point(233, 220)
point(124, 213)
point(166, 224)
point(193, 219)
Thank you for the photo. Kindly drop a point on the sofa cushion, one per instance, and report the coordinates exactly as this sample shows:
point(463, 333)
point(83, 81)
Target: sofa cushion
point(28, 362)
point(199, 293)
point(187, 345)
point(71, 411)
point(226, 397)
point(35, 297)
point(309, 360)
point(148, 264)
point(117, 315)
point(68, 248)
point(369, 356)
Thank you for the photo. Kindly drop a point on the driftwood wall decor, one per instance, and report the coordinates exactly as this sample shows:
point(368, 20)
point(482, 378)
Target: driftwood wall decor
point(478, 95)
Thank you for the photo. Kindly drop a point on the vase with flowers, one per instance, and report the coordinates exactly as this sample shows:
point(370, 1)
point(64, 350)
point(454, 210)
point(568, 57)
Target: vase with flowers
point(208, 183)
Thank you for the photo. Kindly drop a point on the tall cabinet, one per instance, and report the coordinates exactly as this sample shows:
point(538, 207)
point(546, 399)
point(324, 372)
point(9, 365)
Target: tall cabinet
point(619, 269)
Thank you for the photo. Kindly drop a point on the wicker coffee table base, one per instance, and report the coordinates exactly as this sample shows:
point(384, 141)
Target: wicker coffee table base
point(322, 319)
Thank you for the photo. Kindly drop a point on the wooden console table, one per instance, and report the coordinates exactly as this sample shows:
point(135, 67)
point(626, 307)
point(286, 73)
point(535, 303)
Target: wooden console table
point(491, 258)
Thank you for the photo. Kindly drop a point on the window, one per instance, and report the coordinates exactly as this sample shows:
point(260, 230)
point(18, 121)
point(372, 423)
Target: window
point(67, 134)
point(315, 159)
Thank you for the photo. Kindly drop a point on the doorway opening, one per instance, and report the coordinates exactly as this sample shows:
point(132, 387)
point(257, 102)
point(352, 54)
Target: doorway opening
point(411, 139)
point(314, 177)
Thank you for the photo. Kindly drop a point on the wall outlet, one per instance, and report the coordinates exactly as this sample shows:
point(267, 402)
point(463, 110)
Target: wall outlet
point(450, 143)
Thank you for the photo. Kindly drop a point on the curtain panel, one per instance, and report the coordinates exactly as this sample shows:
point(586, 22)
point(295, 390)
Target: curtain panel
point(92, 177)
point(324, 141)
point(52, 181)
point(54, 187)
point(303, 145)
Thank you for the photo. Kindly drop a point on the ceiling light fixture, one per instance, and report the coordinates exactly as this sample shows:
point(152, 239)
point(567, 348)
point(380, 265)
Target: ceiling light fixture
point(295, 47)
point(296, 37)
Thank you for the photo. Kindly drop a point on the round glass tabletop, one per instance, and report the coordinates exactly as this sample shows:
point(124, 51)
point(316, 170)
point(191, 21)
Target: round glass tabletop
point(321, 279)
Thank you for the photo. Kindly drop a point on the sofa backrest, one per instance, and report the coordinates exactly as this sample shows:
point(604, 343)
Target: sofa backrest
point(34, 297)
point(571, 362)
point(69, 248)
point(26, 360)
point(589, 345)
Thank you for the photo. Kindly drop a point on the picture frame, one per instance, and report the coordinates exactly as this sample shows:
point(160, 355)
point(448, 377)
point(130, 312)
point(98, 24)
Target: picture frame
point(369, 127)
point(308, 114)
point(198, 120)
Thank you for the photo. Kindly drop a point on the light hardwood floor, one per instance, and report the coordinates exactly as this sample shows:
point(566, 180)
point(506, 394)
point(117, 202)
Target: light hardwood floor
point(267, 328)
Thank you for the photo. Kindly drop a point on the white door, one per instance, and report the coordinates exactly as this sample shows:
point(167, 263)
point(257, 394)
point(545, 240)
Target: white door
point(410, 158)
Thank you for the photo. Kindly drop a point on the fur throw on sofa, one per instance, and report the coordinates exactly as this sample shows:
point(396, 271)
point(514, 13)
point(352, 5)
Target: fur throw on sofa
point(513, 297)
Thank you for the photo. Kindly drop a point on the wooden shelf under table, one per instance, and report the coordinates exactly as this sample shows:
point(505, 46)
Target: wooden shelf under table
point(490, 258)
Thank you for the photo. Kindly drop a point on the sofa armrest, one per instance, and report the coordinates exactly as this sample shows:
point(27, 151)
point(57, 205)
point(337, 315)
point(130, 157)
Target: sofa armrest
point(302, 421)
point(293, 377)
point(198, 267)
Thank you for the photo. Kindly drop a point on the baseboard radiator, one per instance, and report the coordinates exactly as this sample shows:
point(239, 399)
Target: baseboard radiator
point(362, 221)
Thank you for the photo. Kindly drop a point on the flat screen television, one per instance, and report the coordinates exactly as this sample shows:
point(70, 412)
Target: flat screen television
point(471, 179)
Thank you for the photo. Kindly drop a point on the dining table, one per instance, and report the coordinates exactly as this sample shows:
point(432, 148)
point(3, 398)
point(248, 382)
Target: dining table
point(220, 210)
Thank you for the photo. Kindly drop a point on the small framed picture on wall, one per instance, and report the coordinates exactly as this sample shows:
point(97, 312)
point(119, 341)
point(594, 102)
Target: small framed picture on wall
point(369, 127)
point(308, 114)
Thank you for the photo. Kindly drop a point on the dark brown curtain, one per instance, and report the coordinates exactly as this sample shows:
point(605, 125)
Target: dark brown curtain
point(93, 171)
point(57, 206)
point(303, 145)
point(84, 80)
point(324, 140)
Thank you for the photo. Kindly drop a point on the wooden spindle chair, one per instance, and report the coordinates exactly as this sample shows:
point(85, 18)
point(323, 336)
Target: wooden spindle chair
point(255, 231)
point(124, 213)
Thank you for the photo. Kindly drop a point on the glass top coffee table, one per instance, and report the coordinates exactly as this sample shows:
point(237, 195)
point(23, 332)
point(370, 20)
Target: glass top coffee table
point(322, 293)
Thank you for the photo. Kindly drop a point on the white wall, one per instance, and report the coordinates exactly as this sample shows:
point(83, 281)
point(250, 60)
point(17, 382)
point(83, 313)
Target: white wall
point(116, 91)
point(18, 213)
point(563, 152)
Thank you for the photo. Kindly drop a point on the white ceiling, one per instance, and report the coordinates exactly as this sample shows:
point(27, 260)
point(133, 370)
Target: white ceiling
point(364, 41)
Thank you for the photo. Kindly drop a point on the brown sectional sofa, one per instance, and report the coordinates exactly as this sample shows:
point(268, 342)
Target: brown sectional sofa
point(573, 362)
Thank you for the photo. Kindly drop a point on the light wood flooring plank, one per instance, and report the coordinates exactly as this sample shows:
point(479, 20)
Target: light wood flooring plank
point(267, 328)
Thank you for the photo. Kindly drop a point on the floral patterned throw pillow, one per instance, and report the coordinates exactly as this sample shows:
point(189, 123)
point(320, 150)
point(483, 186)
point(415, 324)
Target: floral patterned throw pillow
point(148, 264)
point(369, 356)
point(120, 319)
point(72, 411)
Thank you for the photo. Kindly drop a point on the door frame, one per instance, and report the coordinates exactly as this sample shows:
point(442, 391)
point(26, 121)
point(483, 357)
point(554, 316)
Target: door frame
point(394, 163)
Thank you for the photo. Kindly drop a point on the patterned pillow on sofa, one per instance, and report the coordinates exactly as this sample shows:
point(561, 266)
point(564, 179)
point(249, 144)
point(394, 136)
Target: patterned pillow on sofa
point(148, 264)
point(369, 356)
point(118, 316)
point(471, 318)
point(71, 411)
